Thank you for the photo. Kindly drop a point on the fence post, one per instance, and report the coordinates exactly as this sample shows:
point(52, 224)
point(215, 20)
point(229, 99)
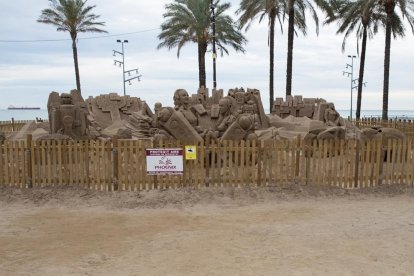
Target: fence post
point(115, 163)
point(297, 162)
point(381, 161)
point(12, 124)
point(29, 180)
point(259, 162)
point(87, 160)
point(356, 176)
point(308, 151)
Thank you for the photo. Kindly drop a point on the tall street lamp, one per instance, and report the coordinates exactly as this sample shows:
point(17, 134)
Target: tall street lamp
point(118, 62)
point(353, 81)
point(213, 25)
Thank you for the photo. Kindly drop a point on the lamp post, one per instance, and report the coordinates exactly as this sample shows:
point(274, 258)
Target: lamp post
point(351, 74)
point(213, 25)
point(123, 65)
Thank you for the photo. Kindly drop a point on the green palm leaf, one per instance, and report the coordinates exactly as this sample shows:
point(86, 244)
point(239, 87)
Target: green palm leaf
point(189, 21)
point(72, 16)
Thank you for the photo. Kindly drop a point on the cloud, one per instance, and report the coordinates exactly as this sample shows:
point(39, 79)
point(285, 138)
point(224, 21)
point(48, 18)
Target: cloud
point(29, 71)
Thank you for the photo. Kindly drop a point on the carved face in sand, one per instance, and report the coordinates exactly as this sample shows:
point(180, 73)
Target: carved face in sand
point(224, 105)
point(164, 114)
point(157, 106)
point(66, 98)
point(181, 98)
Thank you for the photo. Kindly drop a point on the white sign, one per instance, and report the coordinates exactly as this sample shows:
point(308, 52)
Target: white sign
point(164, 161)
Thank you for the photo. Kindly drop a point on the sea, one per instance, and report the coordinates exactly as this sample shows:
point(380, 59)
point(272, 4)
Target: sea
point(392, 114)
point(7, 115)
point(26, 114)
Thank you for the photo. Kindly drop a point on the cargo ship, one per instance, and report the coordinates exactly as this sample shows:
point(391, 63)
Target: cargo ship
point(11, 107)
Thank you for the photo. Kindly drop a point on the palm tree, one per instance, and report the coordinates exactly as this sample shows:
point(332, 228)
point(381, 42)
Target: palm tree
point(406, 8)
point(273, 9)
point(75, 17)
point(364, 17)
point(190, 21)
point(296, 10)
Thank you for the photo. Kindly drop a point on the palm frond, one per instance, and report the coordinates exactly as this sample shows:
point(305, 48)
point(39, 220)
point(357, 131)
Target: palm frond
point(190, 21)
point(71, 16)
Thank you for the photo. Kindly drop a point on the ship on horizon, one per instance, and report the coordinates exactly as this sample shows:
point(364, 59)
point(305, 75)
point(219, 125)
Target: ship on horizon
point(11, 107)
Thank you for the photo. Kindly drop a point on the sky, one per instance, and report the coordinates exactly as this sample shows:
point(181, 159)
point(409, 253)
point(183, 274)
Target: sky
point(29, 71)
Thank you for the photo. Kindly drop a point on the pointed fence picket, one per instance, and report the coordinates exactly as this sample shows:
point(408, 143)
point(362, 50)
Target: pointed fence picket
point(404, 125)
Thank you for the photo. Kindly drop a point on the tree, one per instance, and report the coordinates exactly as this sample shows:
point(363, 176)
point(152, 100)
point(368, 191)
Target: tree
point(364, 17)
point(406, 8)
point(190, 20)
point(296, 10)
point(75, 17)
point(273, 9)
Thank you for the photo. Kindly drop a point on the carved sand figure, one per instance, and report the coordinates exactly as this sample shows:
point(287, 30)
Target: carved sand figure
point(67, 114)
point(172, 123)
point(200, 117)
point(181, 102)
point(226, 117)
point(163, 115)
point(331, 116)
point(157, 109)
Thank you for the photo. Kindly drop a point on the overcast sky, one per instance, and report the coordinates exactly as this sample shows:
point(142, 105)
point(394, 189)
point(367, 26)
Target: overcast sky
point(29, 71)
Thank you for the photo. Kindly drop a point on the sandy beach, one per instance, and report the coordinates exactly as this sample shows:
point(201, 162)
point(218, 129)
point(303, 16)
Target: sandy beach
point(211, 231)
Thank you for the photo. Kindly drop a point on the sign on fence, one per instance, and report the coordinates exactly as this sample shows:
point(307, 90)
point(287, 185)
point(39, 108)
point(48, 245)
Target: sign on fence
point(190, 152)
point(164, 161)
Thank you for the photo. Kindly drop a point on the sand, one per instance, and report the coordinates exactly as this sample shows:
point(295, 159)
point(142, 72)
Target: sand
point(214, 231)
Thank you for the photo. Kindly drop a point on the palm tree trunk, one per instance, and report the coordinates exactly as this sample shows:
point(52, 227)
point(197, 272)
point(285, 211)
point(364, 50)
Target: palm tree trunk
point(75, 60)
point(387, 65)
point(291, 31)
point(361, 73)
point(389, 9)
point(202, 49)
point(272, 58)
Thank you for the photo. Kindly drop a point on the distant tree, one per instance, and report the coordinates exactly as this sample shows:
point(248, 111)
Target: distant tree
point(75, 17)
point(190, 21)
point(364, 17)
point(249, 10)
point(296, 11)
point(406, 8)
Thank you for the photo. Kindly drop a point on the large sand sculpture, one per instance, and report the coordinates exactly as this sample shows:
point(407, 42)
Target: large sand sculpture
point(197, 118)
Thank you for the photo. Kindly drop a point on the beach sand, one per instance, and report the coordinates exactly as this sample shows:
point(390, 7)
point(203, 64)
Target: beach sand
point(209, 231)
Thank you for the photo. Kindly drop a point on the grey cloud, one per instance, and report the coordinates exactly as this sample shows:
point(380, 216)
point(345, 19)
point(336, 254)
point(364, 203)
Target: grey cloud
point(318, 61)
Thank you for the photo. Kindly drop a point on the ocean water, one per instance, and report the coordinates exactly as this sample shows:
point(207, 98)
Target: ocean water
point(392, 114)
point(6, 115)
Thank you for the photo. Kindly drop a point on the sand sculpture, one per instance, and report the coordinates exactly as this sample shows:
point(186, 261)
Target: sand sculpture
point(103, 116)
point(196, 118)
point(110, 108)
point(193, 118)
point(313, 108)
point(201, 117)
point(67, 114)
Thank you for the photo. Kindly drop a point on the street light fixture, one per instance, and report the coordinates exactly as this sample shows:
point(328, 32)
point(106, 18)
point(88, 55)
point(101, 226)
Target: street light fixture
point(353, 81)
point(138, 77)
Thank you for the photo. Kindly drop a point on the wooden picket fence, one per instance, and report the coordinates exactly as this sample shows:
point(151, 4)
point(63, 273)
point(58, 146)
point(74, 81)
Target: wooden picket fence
point(404, 125)
point(13, 125)
point(121, 164)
